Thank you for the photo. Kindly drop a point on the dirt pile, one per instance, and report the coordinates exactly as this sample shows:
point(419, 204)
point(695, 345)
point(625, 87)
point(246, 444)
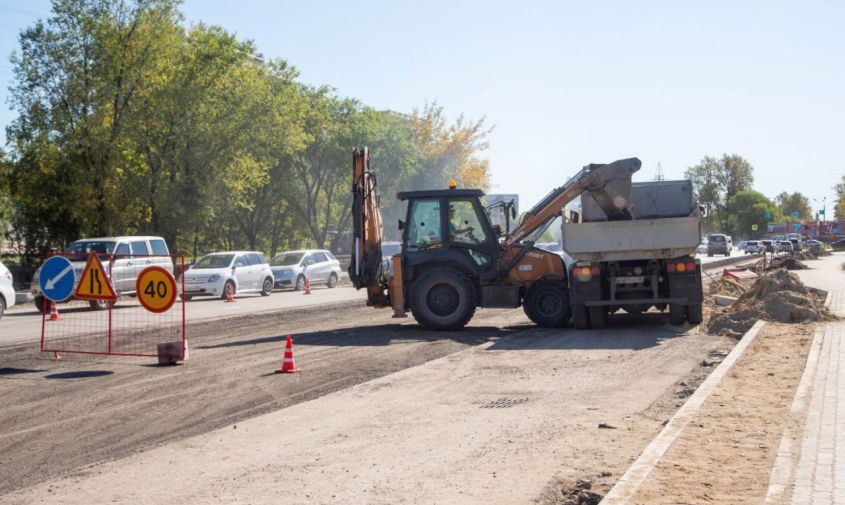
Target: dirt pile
point(579, 494)
point(779, 262)
point(726, 287)
point(819, 252)
point(777, 296)
point(806, 255)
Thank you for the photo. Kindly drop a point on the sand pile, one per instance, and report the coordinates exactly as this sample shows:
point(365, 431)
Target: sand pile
point(779, 262)
point(778, 296)
point(726, 287)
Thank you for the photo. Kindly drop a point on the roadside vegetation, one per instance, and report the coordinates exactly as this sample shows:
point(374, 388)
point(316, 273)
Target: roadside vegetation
point(130, 122)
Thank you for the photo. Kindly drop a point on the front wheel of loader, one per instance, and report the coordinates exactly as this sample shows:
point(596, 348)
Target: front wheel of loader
point(547, 304)
point(443, 299)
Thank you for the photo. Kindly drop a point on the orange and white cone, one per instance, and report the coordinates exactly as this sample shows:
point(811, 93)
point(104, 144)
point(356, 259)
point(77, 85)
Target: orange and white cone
point(287, 362)
point(230, 293)
point(307, 286)
point(54, 312)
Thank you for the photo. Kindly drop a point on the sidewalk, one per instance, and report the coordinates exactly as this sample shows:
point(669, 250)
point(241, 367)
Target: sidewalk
point(819, 472)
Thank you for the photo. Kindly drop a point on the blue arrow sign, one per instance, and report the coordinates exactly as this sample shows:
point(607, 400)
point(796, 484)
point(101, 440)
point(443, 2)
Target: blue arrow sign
point(56, 279)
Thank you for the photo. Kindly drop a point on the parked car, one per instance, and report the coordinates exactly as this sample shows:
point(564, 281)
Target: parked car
point(7, 291)
point(754, 247)
point(719, 244)
point(784, 246)
point(813, 244)
point(123, 259)
point(838, 245)
point(702, 247)
point(291, 267)
point(239, 271)
point(769, 245)
point(389, 250)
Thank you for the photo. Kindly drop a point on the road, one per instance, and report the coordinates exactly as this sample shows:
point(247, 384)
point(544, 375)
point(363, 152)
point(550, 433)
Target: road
point(410, 415)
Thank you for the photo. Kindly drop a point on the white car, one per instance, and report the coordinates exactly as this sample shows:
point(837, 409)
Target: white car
point(290, 268)
point(239, 271)
point(7, 291)
point(754, 247)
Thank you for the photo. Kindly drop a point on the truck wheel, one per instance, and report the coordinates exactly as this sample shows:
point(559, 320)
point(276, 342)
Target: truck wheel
point(694, 313)
point(676, 314)
point(547, 303)
point(598, 317)
point(443, 299)
point(579, 317)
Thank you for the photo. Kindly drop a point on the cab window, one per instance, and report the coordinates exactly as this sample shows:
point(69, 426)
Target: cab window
point(424, 226)
point(122, 250)
point(140, 248)
point(464, 224)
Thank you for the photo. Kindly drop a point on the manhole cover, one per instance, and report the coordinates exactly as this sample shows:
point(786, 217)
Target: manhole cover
point(503, 403)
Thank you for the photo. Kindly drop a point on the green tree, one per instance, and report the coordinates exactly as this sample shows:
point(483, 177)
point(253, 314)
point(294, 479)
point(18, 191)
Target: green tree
point(839, 208)
point(794, 202)
point(716, 182)
point(749, 207)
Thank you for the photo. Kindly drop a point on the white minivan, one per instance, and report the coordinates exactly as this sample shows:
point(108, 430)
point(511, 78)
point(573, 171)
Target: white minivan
point(123, 258)
point(7, 290)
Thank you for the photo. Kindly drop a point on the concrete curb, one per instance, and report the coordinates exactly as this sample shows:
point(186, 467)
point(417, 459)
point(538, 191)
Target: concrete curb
point(784, 461)
point(730, 261)
point(629, 484)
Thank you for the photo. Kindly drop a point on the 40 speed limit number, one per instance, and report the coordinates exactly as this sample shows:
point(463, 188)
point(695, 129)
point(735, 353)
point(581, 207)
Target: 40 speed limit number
point(156, 289)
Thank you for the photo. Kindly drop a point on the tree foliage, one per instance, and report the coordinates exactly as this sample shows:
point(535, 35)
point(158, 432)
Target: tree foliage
point(790, 203)
point(717, 181)
point(839, 208)
point(129, 121)
point(749, 207)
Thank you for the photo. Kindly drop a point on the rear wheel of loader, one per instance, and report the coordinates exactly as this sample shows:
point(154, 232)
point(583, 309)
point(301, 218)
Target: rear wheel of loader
point(547, 304)
point(598, 317)
point(694, 313)
point(579, 317)
point(443, 299)
point(677, 314)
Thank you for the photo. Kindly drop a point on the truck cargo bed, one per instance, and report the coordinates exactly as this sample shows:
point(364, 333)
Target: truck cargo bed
point(629, 240)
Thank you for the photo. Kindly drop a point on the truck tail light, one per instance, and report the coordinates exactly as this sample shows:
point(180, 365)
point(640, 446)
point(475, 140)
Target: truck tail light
point(584, 273)
point(691, 267)
point(670, 267)
point(680, 267)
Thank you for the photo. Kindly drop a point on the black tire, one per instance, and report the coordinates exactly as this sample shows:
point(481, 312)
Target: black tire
point(677, 314)
point(443, 299)
point(598, 317)
point(579, 317)
point(226, 287)
point(267, 287)
point(547, 303)
point(695, 314)
point(39, 303)
point(99, 304)
point(300, 283)
point(332, 281)
point(187, 298)
point(2, 306)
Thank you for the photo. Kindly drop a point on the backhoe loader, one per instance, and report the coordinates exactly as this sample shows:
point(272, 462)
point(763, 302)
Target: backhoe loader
point(453, 260)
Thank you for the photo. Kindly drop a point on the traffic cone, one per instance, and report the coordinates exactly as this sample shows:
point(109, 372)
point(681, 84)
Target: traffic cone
point(307, 286)
point(230, 293)
point(54, 312)
point(287, 361)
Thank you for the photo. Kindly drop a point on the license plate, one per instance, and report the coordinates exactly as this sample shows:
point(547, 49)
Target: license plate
point(636, 279)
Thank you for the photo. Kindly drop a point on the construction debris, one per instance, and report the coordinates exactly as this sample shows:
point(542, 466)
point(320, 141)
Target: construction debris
point(778, 262)
point(724, 301)
point(726, 286)
point(777, 296)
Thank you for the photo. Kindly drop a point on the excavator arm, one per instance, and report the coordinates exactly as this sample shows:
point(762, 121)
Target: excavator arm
point(608, 184)
point(365, 267)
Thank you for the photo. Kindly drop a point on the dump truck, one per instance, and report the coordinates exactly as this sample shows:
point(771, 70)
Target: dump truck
point(635, 262)
point(453, 260)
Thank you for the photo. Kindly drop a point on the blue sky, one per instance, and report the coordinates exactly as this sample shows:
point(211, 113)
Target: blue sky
point(569, 83)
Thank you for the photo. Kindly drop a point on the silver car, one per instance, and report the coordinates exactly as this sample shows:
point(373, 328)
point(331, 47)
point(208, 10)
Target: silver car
point(291, 267)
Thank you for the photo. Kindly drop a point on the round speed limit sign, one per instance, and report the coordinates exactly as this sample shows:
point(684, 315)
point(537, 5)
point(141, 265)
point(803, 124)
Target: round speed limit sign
point(156, 289)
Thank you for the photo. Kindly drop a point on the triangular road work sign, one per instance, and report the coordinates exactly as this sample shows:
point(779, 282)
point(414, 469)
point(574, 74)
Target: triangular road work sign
point(94, 283)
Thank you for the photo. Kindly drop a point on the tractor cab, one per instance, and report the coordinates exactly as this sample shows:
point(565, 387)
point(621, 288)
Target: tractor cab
point(449, 226)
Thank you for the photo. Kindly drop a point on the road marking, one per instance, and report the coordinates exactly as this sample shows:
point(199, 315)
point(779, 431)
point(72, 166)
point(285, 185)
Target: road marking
point(629, 484)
